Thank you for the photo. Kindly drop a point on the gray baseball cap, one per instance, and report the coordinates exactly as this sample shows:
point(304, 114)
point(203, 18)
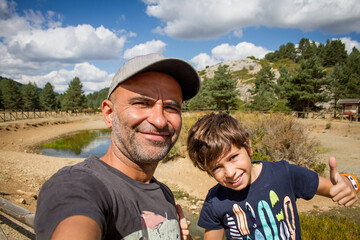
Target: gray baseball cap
point(182, 71)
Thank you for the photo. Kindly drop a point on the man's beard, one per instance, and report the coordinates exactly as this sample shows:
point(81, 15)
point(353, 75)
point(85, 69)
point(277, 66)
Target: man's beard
point(139, 152)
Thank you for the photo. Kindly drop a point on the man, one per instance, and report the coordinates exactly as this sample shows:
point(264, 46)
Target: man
point(116, 196)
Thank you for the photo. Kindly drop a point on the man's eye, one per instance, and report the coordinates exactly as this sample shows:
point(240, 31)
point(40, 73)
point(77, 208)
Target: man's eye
point(141, 103)
point(172, 109)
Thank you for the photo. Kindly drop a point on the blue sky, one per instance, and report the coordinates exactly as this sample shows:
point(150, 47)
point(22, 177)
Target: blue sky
point(55, 40)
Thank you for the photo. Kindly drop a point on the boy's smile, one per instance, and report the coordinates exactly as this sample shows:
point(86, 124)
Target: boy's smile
point(234, 169)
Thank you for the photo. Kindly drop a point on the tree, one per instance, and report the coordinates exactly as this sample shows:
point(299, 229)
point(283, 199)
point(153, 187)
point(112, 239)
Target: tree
point(306, 49)
point(11, 94)
point(74, 98)
point(47, 97)
point(30, 97)
point(202, 100)
point(334, 52)
point(223, 89)
point(352, 75)
point(337, 84)
point(309, 84)
point(94, 100)
point(264, 91)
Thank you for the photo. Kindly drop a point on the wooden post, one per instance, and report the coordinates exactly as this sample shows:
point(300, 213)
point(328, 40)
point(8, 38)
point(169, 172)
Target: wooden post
point(21, 214)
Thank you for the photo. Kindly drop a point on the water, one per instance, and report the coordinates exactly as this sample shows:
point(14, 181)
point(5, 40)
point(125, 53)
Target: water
point(80, 145)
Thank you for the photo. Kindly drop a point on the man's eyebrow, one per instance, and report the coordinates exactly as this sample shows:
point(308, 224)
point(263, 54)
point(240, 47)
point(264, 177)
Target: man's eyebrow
point(173, 103)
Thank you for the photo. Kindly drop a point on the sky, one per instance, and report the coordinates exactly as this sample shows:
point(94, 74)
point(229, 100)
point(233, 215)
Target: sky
point(56, 40)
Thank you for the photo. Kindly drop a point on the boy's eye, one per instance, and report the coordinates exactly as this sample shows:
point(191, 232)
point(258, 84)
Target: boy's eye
point(234, 156)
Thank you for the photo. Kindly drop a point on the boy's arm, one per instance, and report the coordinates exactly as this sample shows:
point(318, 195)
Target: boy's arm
point(338, 187)
point(214, 234)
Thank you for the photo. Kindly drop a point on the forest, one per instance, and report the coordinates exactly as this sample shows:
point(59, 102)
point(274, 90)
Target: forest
point(309, 74)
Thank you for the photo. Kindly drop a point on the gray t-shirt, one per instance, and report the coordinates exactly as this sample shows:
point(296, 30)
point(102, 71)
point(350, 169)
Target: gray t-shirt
point(124, 208)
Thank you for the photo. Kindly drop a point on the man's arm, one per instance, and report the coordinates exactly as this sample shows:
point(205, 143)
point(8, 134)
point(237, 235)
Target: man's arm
point(78, 228)
point(214, 234)
point(338, 187)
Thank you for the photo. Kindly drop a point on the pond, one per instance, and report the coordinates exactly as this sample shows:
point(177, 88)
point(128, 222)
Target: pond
point(79, 145)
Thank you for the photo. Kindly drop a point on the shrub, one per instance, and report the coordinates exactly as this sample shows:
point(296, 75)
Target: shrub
point(278, 137)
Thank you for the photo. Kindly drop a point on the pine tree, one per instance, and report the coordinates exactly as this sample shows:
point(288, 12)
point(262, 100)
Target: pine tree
point(11, 94)
point(337, 84)
point(352, 75)
point(334, 52)
point(30, 97)
point(309, 84)
point(47, 97)
point(264, 91)
point(202, 100)
point(74, 98)
point(223, 89)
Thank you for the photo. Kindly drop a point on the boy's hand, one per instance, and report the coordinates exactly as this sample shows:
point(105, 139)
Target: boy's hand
point(184, 226)
point(342, 190)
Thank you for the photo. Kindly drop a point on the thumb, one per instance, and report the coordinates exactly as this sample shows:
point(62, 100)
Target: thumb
point(333, 172)
point(180, 212)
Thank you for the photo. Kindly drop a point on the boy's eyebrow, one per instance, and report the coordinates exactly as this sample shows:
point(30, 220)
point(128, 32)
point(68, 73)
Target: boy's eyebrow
point(173, 103)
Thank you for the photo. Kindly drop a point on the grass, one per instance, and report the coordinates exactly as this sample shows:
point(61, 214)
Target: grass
point(75, 142)
point(339, 223)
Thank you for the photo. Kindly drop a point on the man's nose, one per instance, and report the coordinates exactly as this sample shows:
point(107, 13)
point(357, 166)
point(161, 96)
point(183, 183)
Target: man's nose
point(157, 116)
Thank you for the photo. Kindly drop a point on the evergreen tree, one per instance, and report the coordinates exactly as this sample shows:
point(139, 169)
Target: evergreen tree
point(94, 100)
point(30, 97)
point(47, 97)
point(306, 49)
point(334, 52)
point(1, 99)
point(309, 84)
point(202, 100)
point(352, 75)
point(223, 89)
point(287, 51)
point(264, 91)
point(337, 84)
point(11, 94)
point(74, 98)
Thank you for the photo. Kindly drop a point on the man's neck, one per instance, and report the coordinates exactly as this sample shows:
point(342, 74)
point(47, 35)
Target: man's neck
point(117, 160)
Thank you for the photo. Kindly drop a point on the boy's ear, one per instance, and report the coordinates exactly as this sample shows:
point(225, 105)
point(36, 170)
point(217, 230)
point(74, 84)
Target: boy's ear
point(107, 111)
point(251, 149)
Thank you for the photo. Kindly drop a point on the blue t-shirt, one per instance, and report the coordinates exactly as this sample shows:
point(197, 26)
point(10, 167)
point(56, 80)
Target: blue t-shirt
point(266, 209)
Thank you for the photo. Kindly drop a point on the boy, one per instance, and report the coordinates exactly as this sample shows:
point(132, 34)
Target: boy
point(253, 200)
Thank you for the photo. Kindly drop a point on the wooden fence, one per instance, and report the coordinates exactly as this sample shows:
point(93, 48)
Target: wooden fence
point(7, 116)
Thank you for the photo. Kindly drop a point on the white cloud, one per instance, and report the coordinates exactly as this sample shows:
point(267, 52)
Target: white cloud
point(349, 44)
point(34, 43)
point(154, 46)
point(207, 19)
point(92, 78)
point(226, 52)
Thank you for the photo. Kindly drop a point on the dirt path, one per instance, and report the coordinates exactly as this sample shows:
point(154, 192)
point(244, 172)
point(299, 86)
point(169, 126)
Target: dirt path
point(23, 172)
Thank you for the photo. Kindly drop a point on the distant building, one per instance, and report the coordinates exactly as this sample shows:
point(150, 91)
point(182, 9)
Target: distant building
point(350, 107)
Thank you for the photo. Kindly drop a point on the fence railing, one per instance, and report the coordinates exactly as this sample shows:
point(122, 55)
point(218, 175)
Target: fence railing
point(7, 116)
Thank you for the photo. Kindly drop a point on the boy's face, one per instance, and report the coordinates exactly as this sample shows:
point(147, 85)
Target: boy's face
point(233, 169)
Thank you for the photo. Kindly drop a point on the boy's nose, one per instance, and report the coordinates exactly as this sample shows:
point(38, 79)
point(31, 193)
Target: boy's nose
point(229, 171)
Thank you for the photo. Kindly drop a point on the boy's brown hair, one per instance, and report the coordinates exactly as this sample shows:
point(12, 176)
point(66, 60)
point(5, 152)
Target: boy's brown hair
point(212, 136)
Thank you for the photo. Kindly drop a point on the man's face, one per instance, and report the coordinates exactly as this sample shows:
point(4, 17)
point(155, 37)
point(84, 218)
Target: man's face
point(147, 116)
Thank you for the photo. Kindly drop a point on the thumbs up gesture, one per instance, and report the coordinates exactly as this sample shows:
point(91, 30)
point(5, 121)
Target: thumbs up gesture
point(342, 190)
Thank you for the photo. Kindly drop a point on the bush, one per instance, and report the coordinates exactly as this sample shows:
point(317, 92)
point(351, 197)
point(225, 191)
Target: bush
point(278, 137)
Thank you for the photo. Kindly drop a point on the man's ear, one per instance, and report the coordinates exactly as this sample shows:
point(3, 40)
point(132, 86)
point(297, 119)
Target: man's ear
point(107, 111)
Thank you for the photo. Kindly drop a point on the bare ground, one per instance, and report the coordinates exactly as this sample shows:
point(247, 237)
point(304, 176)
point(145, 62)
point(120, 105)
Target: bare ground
point(23, 171)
